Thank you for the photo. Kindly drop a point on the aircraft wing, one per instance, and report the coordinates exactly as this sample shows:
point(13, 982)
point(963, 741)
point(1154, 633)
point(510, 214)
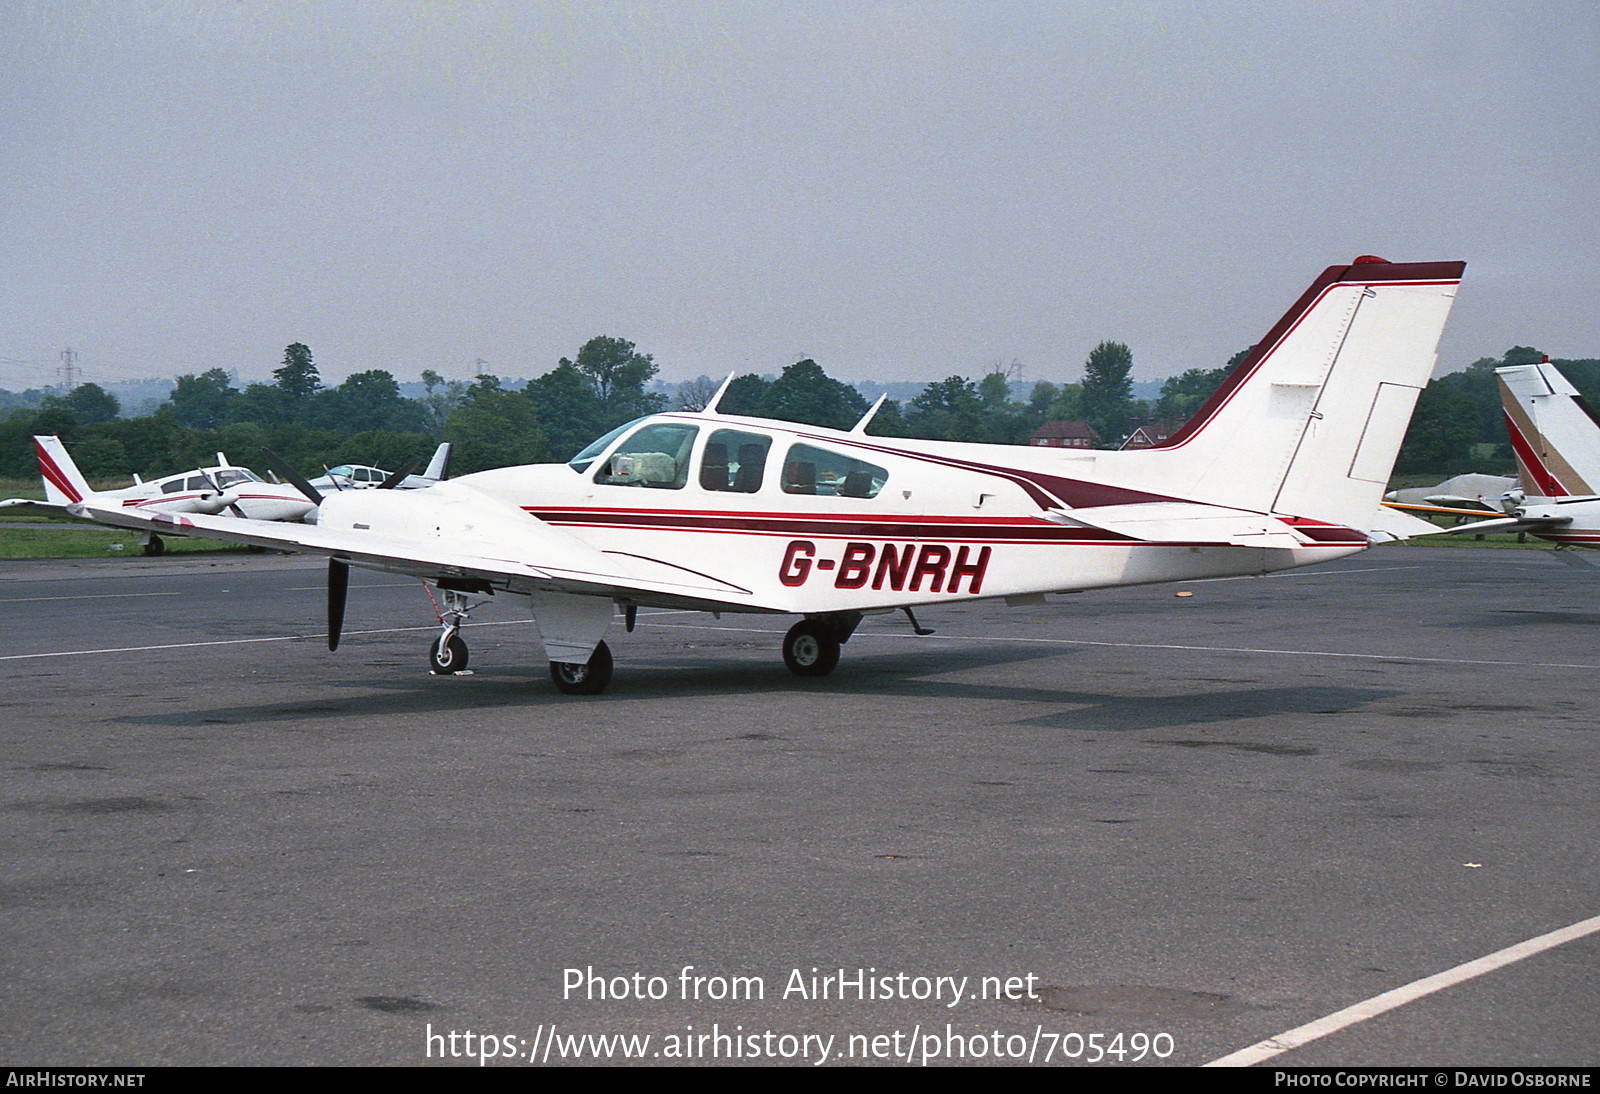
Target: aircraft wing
point(1449, 510)
point(1507, 524)
point(1478, 527)
point(1182, 522)
point(470, 542)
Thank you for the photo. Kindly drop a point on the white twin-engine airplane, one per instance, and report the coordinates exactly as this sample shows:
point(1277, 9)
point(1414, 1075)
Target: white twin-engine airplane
point(1283, 466)
point(361, 476)
point(1556, 439)
point(224, 488)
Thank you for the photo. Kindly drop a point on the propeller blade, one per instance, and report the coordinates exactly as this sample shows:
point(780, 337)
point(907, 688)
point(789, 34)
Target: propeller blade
point(338, 588)
point(298, 480)
point(397, 478)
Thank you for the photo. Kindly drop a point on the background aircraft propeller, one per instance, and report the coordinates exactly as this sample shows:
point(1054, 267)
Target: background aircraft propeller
point(397, 478)
point(233, 505)
point(298, 480)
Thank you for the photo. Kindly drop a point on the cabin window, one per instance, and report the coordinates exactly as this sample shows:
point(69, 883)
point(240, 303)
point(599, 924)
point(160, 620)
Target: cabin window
point(734, 461)
point(810, 470)
point(656, 456)
point(172, 487)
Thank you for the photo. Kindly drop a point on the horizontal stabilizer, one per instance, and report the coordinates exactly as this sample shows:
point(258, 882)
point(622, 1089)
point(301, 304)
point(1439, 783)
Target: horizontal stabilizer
point(1182, 522)
point(1389, 524)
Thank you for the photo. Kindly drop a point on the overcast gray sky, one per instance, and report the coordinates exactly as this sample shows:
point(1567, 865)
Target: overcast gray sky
point(902, 191)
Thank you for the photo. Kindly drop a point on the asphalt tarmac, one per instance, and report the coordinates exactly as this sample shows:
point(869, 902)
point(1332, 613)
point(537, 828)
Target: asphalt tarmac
point(1168, 827)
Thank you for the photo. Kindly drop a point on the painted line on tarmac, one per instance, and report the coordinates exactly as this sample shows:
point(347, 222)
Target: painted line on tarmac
point(1399, 997)
point(320, 636)
point(1404, 657)
point(82, 596)
point(1407, 657)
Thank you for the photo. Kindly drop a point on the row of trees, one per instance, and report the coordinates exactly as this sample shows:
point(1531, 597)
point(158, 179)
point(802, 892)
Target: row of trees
point(492, 424)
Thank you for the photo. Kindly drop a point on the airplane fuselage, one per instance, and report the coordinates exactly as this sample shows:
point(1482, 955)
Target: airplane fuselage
point(942, 523)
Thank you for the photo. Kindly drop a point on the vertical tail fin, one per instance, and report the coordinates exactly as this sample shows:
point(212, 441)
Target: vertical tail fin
point(1553, 432)
point(64, 484)
point(1310, 422)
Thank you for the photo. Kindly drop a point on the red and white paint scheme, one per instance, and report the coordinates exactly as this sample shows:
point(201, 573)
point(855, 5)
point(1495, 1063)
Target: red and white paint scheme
point(1283, 466)
point(207, 491)
point(1556, 439)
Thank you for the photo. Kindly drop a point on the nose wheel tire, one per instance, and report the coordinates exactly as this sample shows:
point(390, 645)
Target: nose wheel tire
point(447, 656)
point(810, 649)
point(586, 679)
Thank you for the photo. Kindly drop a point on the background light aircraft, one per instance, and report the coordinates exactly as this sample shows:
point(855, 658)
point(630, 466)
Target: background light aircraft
point(1556, 439)
point(224, 488)
point(1476, 494)
point(358, 476)
point(1283, 466)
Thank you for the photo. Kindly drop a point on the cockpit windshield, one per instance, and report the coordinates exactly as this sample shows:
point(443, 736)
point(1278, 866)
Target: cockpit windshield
point(230, 475)
point(582, 460)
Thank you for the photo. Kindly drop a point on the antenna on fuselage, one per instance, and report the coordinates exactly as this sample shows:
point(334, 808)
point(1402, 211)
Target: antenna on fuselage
point(711, 404)
point(861, 426)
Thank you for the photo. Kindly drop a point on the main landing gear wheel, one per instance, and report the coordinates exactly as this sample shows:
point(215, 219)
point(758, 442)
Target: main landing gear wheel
point(810, 648)
point(589, 679)
point(154, 547)
point(448, 655)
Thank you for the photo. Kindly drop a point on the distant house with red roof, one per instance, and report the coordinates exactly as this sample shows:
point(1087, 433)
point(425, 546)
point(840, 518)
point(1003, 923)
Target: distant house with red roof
point(1149, 435)
point(1064, 435)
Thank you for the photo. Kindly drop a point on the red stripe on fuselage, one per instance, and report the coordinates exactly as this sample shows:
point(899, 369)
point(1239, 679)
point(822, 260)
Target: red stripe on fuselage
point(960, 529)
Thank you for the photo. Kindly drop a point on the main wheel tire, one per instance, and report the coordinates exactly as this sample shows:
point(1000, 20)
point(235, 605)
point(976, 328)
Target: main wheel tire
point(448, 656)
point(155, 547)
point(810, 649)
point(588, 679)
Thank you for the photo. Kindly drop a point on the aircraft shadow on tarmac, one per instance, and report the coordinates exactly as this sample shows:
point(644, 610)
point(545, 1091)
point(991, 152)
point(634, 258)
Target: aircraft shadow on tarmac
point(888, 674)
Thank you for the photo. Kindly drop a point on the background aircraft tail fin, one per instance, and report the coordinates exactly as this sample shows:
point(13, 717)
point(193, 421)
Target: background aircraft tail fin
point(439, 466)
point(64, 484)
point(1553, 432)
point(1310, 422)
